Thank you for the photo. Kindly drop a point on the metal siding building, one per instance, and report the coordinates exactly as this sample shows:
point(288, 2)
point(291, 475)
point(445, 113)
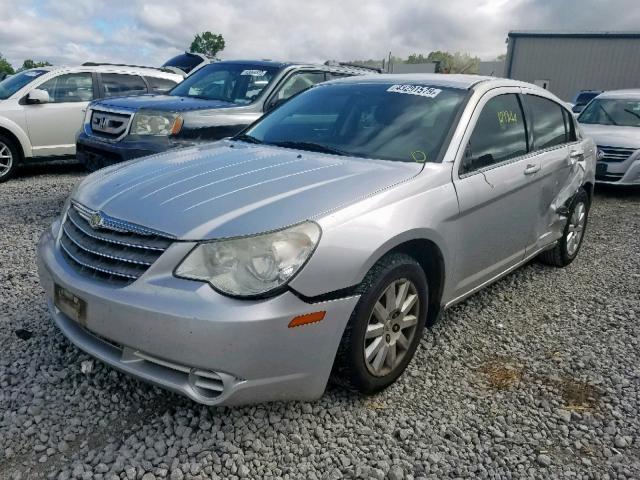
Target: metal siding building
point(569, 62)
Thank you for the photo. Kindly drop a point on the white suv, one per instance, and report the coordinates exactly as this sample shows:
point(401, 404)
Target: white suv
point(42, 109)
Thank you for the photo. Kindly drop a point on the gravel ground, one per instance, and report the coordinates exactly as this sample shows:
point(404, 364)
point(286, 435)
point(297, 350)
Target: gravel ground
point(537, 376)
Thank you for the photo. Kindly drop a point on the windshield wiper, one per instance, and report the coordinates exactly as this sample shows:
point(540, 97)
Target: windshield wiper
point(632, 112)
point(312, 147)
point(247, 138)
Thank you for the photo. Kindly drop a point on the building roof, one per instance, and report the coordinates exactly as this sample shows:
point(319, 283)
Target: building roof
point(574, 34)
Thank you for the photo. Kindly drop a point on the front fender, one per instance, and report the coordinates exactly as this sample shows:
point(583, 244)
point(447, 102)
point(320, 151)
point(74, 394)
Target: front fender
point(356, 237)
point(19, 133)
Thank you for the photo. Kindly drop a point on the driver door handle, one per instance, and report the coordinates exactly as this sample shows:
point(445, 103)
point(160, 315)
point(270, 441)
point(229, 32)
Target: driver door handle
point(531, 169)
point(575, 156)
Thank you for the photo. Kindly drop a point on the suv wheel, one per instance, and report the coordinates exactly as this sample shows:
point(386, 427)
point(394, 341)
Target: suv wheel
point(567, 248)
point(8, 158)
point(385, 327)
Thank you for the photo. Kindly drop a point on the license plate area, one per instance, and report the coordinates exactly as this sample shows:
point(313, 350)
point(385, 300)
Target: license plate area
point(71, 305)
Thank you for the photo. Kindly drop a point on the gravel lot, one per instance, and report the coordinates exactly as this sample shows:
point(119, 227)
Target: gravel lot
point(537, 376)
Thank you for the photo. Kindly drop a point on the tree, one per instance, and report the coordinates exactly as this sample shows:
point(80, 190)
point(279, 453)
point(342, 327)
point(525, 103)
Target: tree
point(502, 57)
point(28, 63)
point(208, 44)
point(464, 63)
point(5, 66)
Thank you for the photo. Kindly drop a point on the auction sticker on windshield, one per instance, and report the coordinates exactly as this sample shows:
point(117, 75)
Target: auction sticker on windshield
point(420, 90)
point(254, 73)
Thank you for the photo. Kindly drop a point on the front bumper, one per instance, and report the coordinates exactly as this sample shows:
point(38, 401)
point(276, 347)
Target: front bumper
point(178, 333)
point(95, 153)
point(623, 174)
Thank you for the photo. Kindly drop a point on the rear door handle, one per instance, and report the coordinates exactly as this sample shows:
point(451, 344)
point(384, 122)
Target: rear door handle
point(531, 169)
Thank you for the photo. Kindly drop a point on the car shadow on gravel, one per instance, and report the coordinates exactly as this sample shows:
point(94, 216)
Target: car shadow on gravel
point(56, 167)
point(617, 191)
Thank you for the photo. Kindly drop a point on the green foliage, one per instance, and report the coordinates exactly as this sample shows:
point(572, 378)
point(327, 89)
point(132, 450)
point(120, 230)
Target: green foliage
point(208, 44)
point(28, 63)
point(5, 66)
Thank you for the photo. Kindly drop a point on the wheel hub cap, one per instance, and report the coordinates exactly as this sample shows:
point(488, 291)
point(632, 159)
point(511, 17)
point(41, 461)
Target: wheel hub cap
point(6, 159)
point(391, 328)
point(576, 228)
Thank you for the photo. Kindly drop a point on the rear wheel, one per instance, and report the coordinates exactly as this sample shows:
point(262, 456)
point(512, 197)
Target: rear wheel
point(9, 157)
point(385, 327)
point(567, 248)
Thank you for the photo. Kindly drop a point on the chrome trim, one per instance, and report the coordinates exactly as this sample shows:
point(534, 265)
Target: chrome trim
point(97, 269)
point(111, 257)
point(99, 108)
point(111, 223)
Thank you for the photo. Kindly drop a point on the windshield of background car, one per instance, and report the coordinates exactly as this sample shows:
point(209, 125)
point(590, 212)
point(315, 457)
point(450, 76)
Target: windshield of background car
point(12, 84)
point(238, 83)
point(407, 123)
point(612, 111)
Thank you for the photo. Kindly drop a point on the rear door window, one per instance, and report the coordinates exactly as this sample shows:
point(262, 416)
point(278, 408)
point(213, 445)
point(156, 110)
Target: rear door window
point(547, 121)
point(160, 85)
point(500, 134)
point(122, 85)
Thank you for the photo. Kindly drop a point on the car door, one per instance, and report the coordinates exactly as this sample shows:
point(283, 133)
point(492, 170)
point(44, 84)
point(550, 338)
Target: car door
point(493, 178)
point(552, 132)
point(53, 125)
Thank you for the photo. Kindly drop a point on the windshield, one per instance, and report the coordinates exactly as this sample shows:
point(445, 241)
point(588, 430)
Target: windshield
point(238, 83)
point(406, 123)
point(612, 111)
point(12, 84)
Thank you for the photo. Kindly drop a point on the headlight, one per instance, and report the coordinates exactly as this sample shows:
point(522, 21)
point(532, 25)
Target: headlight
point(252, 266)
point(156, 123)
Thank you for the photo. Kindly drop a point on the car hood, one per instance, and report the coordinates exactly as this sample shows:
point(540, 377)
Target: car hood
point(228, 189)
point(612, 136)
point(168, 103)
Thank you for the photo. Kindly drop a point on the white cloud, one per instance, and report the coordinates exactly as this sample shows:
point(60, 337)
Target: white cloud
point(135, 31)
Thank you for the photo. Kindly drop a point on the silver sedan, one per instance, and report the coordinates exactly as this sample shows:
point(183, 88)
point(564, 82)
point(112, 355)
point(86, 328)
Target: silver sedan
point(319, 242)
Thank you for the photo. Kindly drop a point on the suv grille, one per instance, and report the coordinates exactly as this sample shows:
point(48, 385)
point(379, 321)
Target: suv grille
point(112, 250)
point(110, 125)
point(616, 154)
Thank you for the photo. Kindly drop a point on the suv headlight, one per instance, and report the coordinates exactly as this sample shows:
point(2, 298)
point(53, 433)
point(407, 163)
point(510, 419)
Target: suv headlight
point(252, 266)
point(156, 123)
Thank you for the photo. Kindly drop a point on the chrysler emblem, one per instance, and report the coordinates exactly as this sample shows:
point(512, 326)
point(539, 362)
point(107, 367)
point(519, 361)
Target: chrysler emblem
point(96, 220)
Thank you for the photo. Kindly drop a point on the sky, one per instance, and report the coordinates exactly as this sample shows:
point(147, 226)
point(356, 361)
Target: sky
point(133, 31)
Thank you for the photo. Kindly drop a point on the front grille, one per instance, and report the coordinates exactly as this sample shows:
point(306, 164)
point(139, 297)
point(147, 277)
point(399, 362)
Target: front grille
point(615, 154)
point(111, 125)
point(115, 251)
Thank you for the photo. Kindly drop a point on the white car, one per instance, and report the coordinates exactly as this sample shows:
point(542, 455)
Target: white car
point(42, 109)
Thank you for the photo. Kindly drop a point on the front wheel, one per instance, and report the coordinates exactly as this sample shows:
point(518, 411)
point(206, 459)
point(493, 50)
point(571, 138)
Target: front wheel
point(567, 248)
point(8, 158)
point(385, 327)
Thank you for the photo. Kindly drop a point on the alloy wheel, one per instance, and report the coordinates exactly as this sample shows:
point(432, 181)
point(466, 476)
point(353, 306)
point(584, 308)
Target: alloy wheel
point(6, 159)
point(576, 228)
point(392, 327)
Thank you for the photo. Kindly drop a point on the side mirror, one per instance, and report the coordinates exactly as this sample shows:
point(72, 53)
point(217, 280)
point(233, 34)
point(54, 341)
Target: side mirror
point(37, 96)
point(578, 108)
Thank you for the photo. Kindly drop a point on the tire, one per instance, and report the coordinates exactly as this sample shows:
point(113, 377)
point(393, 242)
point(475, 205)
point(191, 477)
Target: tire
point(566, 249)
point(401, 333)
point(9, 158)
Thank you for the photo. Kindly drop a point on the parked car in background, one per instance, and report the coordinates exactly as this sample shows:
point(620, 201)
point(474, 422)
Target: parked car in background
point(582, 98)
point(187, 62)
point(613, 121)
point(216, 101)
point(321, 239)
point(42, 109)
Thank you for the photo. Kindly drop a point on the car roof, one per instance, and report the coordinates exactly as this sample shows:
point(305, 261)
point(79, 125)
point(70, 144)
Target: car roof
point(146, 71)
point(627, 93)
point(283, 64)
point(452, 80)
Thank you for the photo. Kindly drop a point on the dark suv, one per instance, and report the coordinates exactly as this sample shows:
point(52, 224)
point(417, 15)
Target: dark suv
point(216, 101)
